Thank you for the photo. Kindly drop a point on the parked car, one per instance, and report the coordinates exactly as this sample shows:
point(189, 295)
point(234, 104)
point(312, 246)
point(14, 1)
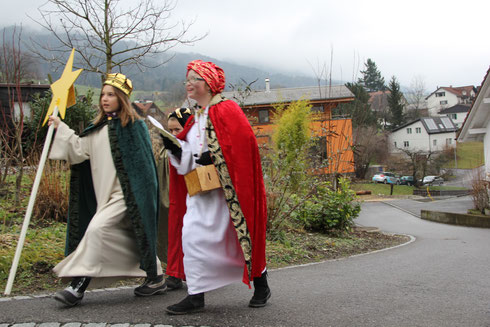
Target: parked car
point(386, 178)
point(407, 180)
point(433, 180)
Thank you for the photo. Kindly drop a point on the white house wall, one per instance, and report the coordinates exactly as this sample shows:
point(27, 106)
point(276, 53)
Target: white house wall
point(459, 120)
point(434, 103)
point(486, 151)
point(419, 141)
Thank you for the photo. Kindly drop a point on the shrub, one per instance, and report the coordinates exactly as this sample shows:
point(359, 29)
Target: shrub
point(284, 165)
point(77, 117)
point(52, 196)
point(329, 210)
point(479, 193)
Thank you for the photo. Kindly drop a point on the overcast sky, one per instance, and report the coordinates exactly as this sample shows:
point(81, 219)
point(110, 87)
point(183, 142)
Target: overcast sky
point(443, 42)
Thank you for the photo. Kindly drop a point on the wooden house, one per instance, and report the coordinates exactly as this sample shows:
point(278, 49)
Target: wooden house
point(14, 96)
point(145, 108)
point(334, 135)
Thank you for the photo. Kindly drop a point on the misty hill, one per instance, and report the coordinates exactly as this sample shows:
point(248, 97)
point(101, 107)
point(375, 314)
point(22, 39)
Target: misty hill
point(170, 75)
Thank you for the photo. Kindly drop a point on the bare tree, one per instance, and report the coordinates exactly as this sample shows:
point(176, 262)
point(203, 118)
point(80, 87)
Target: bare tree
point(12, 68)
point(418, 162)
point(416, 93)
point(369, 146)
point(12, 119)
point(107, 35)
point(242, 91)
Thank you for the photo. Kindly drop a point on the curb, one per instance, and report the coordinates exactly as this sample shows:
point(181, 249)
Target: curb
point(412, 239)
point(460, 219)
point(400, 208)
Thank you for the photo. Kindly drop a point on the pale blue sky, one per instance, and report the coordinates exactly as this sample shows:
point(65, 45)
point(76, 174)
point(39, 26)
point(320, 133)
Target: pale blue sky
point(444, 42)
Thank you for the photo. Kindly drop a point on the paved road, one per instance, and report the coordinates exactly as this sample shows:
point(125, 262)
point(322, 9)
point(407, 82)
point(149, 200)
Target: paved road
point(440, 279)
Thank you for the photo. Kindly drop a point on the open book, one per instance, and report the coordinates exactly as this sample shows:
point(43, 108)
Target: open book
point(166, 134)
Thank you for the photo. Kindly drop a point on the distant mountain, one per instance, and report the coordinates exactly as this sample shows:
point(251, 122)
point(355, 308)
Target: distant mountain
point(175, 70)
point(167, 76)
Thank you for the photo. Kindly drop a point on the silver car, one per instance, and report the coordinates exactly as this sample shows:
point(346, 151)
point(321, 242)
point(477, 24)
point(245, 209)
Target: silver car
point(433, 180)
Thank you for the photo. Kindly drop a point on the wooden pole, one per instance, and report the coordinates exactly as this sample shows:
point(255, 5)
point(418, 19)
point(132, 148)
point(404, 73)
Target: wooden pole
point(30, 206)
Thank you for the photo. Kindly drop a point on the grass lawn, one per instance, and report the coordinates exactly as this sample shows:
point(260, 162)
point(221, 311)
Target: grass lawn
point(383, 189)
point(469, 155)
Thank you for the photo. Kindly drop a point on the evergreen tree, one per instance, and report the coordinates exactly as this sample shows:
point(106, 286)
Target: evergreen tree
point(371, 77)
point(359, 109)
point(395, 103)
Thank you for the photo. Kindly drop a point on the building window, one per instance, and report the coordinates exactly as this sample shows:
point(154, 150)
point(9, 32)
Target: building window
point(418, 130)
point(434, 142)
point(449, 141)
point(318, 150)
point(454, 116)
point(263, 116)
point(440, 94)
point(317, 109)
point(406, 144)
point(409, 130)
point(26, 110)
point(443, 102)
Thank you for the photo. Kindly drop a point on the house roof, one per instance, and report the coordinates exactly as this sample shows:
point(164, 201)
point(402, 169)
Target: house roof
point(25, 85)
point(378, 100)
point(433, 125)
point(27, 91)
point(144, 106)
point(474, 125)
point(458, 91)
point(455, 109)
point(312, 93)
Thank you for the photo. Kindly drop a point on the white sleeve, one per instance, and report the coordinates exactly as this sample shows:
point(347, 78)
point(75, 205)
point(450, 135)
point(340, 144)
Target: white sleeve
point(187, 161)
point(69, 146)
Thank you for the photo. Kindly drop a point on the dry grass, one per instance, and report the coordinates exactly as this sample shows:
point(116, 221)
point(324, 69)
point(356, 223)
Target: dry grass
point(52, 197)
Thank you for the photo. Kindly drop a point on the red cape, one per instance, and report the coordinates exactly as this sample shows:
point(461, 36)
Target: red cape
point(176, 211)
point(241, 153)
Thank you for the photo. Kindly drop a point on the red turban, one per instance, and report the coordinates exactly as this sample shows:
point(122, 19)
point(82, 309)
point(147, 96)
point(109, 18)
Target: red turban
point(212, 74)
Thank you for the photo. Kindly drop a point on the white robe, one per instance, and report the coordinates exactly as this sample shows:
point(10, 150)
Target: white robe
point(213, 257)
point(108, 247)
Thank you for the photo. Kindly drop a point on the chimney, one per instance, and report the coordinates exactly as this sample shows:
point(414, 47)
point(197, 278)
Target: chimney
point(267, 85)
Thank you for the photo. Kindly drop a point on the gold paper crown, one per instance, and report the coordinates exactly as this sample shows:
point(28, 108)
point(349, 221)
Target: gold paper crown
point(120, 81)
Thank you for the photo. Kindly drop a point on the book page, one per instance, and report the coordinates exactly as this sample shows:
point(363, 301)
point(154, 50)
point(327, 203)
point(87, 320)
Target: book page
point(163, 131)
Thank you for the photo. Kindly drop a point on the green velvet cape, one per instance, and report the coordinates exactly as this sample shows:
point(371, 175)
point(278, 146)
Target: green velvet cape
point(135, 165)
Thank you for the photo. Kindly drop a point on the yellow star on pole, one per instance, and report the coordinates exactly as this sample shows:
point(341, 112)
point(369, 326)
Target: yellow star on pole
point(63, 90)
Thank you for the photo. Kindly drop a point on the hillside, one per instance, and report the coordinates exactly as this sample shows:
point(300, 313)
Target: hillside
point(168, 76)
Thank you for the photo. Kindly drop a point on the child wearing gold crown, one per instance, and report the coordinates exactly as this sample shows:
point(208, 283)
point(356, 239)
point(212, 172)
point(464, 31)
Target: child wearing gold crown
point(112, 219)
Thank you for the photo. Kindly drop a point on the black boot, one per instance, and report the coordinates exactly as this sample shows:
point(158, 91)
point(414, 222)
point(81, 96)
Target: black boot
point(173, 283)
point(191, 304)
point(262, 291)
point(73, 294)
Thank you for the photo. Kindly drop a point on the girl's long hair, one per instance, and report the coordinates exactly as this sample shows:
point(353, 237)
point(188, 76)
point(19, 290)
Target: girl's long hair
point(126, 111)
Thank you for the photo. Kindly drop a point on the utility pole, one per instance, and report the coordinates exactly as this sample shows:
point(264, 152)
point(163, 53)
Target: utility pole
point(456, 154)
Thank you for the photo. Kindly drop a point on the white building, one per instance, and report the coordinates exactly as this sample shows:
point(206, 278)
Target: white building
point(457, 113)
point(445, 97)
point(428, 134)
point(477, 124)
